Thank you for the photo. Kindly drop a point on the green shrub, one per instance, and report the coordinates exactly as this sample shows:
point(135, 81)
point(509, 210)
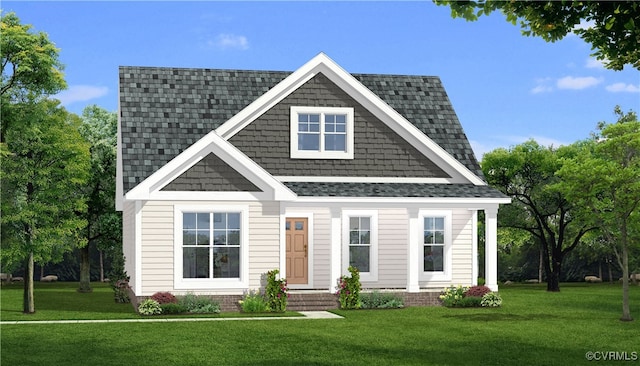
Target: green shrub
point(379, 300)
point(481, 281)
point(469, 302)
point(276, 292)
point(172, 308)
point(491, 300)
point(198, 304)
point(348, 290)
point(149, 307)
point(254, 302)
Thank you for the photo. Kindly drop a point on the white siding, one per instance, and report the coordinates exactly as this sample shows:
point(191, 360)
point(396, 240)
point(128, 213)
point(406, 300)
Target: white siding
point(462, 247)
point(392, 249)
point(158, 243)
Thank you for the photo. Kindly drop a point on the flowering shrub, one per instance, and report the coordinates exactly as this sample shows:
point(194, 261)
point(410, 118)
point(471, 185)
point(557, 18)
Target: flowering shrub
point(491, 300)
point(453, 295)
point(276, 292)
point(477, 291)
point(149, 307)
point(476, 296)
point(164, 298)
point(348, 290)
point(253, 302)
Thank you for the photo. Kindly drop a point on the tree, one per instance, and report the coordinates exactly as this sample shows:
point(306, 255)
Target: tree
point(605, 179)
point(29, 64)
point(612, 30)
point(99, 128)
point(42, 175)
point(527, 174)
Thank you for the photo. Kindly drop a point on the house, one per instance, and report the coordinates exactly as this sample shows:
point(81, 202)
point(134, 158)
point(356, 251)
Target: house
point(224, 175)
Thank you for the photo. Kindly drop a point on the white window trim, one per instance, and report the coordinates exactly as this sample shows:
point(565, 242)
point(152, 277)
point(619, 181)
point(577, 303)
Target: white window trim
point(180, 283)
point(303, 154)
point(448, 243)
point(372, 275)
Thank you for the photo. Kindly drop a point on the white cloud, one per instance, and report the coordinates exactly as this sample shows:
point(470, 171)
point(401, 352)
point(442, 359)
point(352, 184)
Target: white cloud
point(229, 41)
point(541, 140)
point(577, 83)
point(622, 87)
point(81, 93)
point(592, 63)
point(542, 86)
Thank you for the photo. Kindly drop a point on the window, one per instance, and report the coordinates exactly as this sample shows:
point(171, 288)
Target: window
point(321, 133)
point(210, 247)
point(360, 242)
point(435, 245)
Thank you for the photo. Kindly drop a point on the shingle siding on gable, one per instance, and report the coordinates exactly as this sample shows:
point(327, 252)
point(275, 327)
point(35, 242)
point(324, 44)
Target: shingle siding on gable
point(378, 151)
point(211, 174)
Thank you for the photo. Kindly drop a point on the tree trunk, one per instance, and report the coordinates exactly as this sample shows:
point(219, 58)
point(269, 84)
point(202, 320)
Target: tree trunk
point(541, 265)
point(610, 273)
point(101, 266)
point(28, 303)
point(85, 270)
point(626, 312)
point(553, 278)
point(599, 269)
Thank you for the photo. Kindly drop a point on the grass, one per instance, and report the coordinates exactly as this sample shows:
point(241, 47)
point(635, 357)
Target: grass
point(532, 327)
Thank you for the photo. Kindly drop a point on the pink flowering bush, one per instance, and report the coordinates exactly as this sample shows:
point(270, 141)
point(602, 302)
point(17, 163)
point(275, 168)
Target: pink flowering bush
point(164, 298)
point(348, 290)
point(477, 291)
point(276, 292)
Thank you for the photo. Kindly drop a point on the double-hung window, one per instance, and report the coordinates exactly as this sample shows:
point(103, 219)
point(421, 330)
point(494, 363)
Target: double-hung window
point(435, 245)
point(210, 250)
point(360, 242)
point(321, 133)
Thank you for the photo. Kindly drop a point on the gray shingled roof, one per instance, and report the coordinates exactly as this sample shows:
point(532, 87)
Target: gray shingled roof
point(165, 110)
point(392, 190)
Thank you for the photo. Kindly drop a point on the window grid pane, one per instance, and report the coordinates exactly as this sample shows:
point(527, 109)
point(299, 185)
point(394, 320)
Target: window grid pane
point(360, 243)
point(434, 241)
point(211, 245)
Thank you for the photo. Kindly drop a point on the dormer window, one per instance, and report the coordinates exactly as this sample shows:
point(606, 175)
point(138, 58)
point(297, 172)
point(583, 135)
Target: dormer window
point(321, 133)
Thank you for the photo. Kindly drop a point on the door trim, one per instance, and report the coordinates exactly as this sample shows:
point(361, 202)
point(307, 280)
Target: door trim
point(283, 247)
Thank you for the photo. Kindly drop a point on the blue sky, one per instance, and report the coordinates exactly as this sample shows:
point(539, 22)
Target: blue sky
point(505, 88)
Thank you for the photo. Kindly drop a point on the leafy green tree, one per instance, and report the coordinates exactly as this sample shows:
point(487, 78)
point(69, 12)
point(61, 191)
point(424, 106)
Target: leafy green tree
point(527, 174)
point(605, 179)
point(42, 176)
point(29, 64)
point(99, 128)
point(614, 34)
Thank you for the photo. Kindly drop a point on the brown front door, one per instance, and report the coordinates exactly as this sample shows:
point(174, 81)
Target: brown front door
point(297, 251)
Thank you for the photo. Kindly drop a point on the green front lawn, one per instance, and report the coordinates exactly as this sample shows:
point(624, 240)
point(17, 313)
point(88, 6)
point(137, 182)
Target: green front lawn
point(532, 327)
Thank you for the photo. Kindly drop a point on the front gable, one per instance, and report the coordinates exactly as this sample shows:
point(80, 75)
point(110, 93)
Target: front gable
point(323, 78)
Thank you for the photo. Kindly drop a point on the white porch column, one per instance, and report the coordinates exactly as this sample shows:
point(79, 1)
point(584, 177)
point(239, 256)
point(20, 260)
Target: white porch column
point(336, 248)
point(413, 251)
point(491, 248)
point(474, 247)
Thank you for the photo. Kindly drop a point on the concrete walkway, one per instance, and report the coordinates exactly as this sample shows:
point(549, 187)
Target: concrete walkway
point(306, 315)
